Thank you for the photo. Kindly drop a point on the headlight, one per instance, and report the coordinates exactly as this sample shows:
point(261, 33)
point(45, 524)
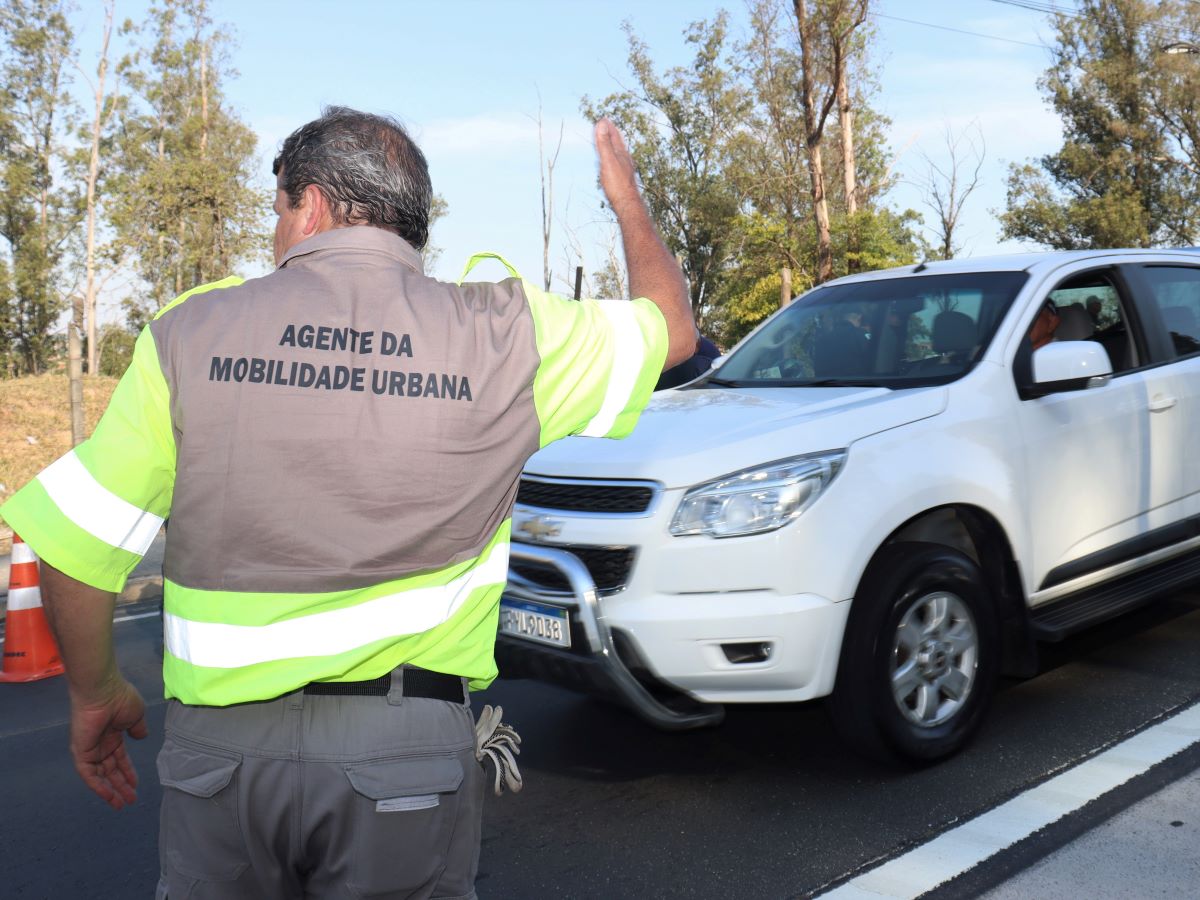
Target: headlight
point(756, 500)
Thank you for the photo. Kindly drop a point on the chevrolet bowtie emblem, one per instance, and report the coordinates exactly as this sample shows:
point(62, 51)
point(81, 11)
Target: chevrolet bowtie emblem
point(538, 528)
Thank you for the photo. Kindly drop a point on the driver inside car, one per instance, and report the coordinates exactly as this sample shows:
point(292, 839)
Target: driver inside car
point(1042, 331)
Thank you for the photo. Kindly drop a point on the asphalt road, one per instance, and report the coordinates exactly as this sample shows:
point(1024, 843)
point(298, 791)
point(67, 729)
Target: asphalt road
point(767, 805)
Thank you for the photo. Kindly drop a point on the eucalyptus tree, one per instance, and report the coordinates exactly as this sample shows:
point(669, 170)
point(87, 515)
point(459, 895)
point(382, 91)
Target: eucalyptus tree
point(39, 209)
point(678, 124)
point(185, 206)
point(815, 196)
point(1126, 173)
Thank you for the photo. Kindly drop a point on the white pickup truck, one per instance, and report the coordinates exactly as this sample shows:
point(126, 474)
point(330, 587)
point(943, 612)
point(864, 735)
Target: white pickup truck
point(885, 495)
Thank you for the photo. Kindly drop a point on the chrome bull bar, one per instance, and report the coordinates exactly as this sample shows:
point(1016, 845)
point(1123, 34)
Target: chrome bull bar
point(585, 601)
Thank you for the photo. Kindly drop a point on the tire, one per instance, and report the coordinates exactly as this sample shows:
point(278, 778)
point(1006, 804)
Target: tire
point(920, 655)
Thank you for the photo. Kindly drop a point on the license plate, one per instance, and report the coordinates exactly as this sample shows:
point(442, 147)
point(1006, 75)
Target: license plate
point(535, 622)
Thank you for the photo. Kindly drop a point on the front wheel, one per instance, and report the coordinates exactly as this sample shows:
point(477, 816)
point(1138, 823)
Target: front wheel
point(919, 659)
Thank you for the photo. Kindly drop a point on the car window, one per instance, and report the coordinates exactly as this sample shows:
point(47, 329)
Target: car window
point(1089, 308)
point(1175, 290)
point(899, 332)
point(1101, 302)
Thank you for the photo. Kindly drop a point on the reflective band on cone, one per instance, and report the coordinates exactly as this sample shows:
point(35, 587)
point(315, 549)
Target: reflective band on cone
point(30, 653)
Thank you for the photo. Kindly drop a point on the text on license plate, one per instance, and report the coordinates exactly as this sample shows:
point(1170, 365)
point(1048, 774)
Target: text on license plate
point(535, 622)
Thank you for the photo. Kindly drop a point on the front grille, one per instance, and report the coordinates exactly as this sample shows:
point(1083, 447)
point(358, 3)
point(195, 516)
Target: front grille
point(585, 496)
point(608, 566)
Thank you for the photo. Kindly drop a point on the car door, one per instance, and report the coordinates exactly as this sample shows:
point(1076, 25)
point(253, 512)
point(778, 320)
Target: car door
point(1169, 298)
point(1101, 464)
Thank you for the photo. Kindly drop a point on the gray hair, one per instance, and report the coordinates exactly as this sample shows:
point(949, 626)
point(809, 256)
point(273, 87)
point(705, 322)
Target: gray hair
point(366, 166)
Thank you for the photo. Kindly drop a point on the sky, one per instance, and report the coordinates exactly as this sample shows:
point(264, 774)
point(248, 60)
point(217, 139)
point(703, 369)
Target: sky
point(468, 78)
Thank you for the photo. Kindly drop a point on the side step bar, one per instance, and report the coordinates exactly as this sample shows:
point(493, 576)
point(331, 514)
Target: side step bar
point(1061, 618)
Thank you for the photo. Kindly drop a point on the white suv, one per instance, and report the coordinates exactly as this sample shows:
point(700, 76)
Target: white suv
point(884, 495)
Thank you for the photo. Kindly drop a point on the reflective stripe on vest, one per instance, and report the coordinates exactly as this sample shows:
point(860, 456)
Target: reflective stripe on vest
point(96, 509)
point(628, 356)
point(223, 646)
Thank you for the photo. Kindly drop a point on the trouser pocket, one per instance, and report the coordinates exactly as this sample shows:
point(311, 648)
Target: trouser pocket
point(200, 833)
point(403, 814)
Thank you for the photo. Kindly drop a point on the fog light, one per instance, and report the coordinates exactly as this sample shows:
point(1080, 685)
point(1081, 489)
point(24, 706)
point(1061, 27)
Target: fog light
point(749, 652)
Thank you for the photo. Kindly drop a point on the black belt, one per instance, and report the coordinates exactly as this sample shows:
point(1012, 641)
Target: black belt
point(416, 683)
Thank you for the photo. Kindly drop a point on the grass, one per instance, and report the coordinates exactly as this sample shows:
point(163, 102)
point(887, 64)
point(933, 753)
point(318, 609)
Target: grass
point(35, 427)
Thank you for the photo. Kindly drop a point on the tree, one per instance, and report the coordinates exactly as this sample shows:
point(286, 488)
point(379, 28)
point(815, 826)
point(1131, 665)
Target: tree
point(770, 147)
point(772, 158)
point(104, 108)
point(37, 215)
point(184, 205)
point(946, 186)
point(438, 207)
point(546, 179)
point(801, 65)
point(9, 361)
point(1122, 176)
point(114, 349)
point(724, 147)
point(678, 124)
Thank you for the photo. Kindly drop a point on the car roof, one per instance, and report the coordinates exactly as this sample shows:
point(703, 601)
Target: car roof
point(1019, 262)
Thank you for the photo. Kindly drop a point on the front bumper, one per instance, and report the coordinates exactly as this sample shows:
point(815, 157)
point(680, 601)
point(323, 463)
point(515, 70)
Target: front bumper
point(674, 658)
point(600, 660)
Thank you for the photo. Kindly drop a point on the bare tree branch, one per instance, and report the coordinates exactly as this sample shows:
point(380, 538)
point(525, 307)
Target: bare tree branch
point(945, 187)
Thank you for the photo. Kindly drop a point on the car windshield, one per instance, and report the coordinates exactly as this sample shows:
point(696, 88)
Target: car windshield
point(895, 332)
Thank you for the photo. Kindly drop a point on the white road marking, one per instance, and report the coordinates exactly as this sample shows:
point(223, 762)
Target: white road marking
point(138, 616)
point(954, 852)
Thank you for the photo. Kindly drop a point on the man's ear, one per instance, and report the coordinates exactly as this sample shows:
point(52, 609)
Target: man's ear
point(316, 210)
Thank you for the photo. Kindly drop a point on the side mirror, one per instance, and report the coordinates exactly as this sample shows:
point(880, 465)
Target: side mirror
point(1069, 366)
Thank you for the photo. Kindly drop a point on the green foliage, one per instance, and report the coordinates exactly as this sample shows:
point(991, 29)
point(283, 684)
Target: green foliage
point(183, 205)
point(721, 148)
point(743, 310)
point(37, 214)
point(677, 125)
point(609, 281)
point(770, 146)
point(1123, 177)
point(9, 359)
point(882, 238)
point(876, 238)
point(115, 348)
point(431, 254)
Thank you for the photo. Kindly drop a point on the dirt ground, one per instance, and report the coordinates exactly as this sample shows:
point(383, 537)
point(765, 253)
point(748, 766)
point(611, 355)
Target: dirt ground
point(35, 427)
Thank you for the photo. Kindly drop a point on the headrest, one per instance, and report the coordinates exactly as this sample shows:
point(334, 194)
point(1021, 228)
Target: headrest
point(953, 332)
point(1074, 323)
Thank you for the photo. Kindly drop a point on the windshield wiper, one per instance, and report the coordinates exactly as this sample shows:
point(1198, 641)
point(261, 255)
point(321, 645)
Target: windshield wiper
point(793, 383)
point(829, 382)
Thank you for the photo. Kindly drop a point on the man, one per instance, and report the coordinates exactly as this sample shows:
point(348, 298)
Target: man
point(1041, 332)
point(337, 445)
point(692, 367)
point(845, 348)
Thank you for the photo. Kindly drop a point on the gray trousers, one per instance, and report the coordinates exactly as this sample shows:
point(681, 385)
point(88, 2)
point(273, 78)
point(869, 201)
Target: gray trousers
point(312, 796)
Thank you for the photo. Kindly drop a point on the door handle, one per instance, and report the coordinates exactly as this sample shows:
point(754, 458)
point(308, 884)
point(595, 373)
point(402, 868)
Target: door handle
point(1161, 403)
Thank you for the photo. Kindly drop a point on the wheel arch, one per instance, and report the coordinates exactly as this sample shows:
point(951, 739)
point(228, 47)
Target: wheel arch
point(976, 532)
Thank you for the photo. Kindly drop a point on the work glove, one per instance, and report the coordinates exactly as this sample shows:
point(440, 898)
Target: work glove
point(500, 743)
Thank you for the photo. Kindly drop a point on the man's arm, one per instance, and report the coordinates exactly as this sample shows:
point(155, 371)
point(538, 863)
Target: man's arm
point(653, 271)
point(103, 704)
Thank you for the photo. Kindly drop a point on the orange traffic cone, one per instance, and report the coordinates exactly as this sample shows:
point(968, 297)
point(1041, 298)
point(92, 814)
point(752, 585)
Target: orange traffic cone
point(30, 653)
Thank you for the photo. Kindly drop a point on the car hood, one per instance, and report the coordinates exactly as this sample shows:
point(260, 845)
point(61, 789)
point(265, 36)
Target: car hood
point(689, 436)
